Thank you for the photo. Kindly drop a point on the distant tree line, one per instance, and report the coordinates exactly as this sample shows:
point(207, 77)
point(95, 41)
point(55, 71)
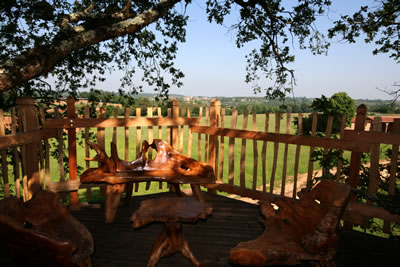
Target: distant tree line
point(99, 98)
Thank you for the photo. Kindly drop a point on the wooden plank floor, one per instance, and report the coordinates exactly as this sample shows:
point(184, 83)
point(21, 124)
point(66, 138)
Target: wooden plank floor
point(118, 244)
point(231, 222)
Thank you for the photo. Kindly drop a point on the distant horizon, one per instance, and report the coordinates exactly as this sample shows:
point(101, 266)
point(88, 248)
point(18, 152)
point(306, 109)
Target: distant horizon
point(242, 96)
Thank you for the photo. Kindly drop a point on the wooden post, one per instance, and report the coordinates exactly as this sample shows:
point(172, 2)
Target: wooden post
point(129, 186)
point(73, 170)
point(4, 158)
point(242, 174)
point(87, 152)
point(174, 136)
point(297, 155)
point(310, 161)
point(276, 149)
point(264, 155)
point(285, 155)
point(214, 110)
point(221, 148)
point(28, 116)
point(174, 131)
point(355, 160)
point(231, 156)
point(255, 151)
point(17, 176)
point(213, 141)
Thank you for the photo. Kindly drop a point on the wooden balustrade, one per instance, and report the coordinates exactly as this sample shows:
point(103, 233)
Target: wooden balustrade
point(247, 161)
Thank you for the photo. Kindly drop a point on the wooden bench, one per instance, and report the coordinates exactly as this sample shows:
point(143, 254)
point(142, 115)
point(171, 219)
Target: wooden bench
point(297, 230)
point(41, 232)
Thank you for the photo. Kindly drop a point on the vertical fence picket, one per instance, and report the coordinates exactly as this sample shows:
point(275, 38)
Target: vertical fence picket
point(72, 151)
point(231, 156)
point(374, 176)
point(60, 148)
point(181, 130)
point(276, 149)
point(126, 134)
point(101, 140)
point(264, 155)
point(206, 136)
point(138, 139)
point(138, 133)
point(313, 133)
point(114, 136)
point(159, 115)
point(340, 162)
point(4, 158)
point(28, 112)
point(150, 132)
point(21, 123)
point(129, 186)
point(101, 130)
point(150, 140)
point(297, 155)
point(46, 172)
point(328, 132)
point(221, 147)
point(243, 152)
point(41, 162)
point(255, 152)
point(199, 135)
point(190, 135)
point(174, 135)
point(285, 154)
point(174, 130)
point(355, 158)
point(87, 152)
point(17, 174)
point(169, 127)
point(60, 141)
point(215, 107)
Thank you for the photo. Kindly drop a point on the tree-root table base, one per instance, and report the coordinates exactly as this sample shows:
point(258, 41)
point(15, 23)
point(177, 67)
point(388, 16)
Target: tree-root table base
point(169, 241)
point(172, 211)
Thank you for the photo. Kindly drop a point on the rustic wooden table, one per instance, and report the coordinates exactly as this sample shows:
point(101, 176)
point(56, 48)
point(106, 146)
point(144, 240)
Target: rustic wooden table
point(172, 211)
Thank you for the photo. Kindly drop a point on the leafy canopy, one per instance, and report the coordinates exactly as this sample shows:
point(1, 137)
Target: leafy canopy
point(79, 42)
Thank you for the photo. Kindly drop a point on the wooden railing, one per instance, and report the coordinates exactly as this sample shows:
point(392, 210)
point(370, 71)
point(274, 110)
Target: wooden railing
point(248, 161)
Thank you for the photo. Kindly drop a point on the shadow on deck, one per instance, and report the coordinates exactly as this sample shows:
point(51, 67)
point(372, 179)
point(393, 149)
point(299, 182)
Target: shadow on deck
point(231, 222)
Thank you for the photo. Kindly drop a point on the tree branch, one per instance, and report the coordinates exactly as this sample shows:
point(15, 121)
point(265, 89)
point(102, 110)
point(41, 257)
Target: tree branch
point(40, 60)
point(65, 22)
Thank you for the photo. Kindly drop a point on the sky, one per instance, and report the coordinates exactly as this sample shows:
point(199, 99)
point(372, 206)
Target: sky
point(214, 66)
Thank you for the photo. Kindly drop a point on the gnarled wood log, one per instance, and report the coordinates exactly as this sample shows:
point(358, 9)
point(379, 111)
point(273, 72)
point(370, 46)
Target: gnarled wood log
point(169, 165)
point(297, 230)
point(41, 232)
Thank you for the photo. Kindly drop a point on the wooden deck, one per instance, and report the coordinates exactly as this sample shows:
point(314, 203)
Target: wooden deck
point(232, 221)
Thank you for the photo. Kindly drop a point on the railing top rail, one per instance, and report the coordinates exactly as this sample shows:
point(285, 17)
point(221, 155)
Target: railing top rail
point(348, 144)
